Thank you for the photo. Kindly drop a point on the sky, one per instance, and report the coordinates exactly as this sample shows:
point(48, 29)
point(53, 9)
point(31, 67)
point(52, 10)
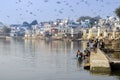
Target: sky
point(18, 11)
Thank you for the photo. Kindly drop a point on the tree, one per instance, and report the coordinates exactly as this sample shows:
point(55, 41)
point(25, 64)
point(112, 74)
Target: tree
point(26, 23)
point(92, 19)
point(117, 11)
point(83, 18)
point(34, 22)
point(6, 30)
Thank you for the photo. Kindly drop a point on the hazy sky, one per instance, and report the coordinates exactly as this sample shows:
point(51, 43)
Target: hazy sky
point(17, 11)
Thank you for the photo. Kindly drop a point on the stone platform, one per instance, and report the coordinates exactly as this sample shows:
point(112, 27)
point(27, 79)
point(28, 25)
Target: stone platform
point(99, 62)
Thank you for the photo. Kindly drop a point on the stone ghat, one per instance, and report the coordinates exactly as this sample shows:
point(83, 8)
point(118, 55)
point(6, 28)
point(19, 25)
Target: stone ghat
point(99, 62)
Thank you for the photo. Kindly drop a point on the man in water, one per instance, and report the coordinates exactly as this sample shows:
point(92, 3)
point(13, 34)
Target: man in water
point(79, 54)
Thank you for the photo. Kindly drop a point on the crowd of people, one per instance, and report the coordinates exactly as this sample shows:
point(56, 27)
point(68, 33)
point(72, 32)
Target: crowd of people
point(92, 45)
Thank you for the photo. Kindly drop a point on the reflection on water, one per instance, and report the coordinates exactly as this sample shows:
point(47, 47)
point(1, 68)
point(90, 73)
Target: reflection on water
point(43, 60)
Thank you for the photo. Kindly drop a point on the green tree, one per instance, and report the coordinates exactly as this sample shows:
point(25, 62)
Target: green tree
point(117, 11)
point(92, 19)
point(6, 30)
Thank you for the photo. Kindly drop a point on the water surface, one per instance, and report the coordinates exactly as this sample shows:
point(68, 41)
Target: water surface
point(44, 60)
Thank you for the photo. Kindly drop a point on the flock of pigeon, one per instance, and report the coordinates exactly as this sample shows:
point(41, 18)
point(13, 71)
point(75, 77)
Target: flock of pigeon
point(61, 10)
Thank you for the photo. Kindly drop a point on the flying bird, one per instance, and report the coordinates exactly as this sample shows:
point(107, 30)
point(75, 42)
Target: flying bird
point(58, 2)
point(19, 0)
point(45, 0)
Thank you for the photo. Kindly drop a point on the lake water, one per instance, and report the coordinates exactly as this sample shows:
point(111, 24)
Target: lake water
point(44, 60)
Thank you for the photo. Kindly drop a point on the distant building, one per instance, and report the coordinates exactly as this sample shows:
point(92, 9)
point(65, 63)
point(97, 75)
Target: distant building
point(69, 28)
point(18, 30)
point(85, 24)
